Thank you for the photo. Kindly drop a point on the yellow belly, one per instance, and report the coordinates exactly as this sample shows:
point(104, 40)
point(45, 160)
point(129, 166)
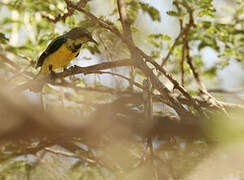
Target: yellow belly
point(60, 59)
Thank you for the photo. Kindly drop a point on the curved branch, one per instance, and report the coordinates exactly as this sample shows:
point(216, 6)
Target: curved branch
point(70, 12)
point(97, 67)
point(94, 18)
point(116, 74)
point(36, 83)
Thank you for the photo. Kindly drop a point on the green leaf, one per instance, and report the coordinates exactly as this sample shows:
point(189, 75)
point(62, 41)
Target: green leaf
point(153, 12)
point(17, 166)
point(3, 38)
point(17, 3)
point(206, 8)
point(193, 93)
point(222, 64)
point(9, 20)
point(205, 13)
point(155, 54)
point(206, 24)
point(160, 36)
point(173, 13)
point(211, 73)
point(93, 49)
point(208, 41)
point(154, 43)
point(133, 10)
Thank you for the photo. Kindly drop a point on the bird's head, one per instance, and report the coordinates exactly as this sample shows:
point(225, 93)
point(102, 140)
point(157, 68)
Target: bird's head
point(81, 34)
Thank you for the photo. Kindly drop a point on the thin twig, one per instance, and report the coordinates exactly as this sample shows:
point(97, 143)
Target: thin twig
point(106, 65)
point(202, 87)
point(165, 60)
point(148, 110)
point(116, 74)
point(224, 91)
point(182, 65)
point(127, 34)
point(94, 18)
point(15, 66)
point(173, 81)
point(70, 12)
point(182, 32)
point(71, 155)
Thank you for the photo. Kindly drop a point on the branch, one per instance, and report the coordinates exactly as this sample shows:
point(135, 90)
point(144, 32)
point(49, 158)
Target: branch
point(232, 106)
point(36, 84)
point(182, 32)
point(202, 87)
point(15, 66)
point(139, 61)
point(124, 20)
point(165, 60)
point(94, 18)
point(97, 67)
point(127, 34)
point(137, 56)
point(224, 91)
point(184, 44)
point(95, 89)
point(116, 74)
point(172, 80)
point(71, 155)
point(70, 12)
point(182, 64)
point(59, 17)
point(148, 110)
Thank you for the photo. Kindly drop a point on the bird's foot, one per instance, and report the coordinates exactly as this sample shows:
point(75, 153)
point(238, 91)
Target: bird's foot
point(72, 68)
point(52, 75)
point(65, 69)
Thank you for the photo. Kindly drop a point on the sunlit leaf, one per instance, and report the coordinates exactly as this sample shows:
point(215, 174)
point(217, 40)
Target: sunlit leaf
point(3, 38)
point(153, 12)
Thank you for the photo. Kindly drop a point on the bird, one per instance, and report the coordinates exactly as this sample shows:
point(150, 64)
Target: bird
point(62, 50)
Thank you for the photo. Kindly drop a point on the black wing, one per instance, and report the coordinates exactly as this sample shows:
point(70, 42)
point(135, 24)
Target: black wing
point(52, 47)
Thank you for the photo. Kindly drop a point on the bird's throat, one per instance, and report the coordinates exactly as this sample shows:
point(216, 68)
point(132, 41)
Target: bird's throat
point(73, 45)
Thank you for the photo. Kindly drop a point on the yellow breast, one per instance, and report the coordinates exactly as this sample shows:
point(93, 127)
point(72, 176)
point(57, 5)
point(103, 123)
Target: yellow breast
point(60, 59)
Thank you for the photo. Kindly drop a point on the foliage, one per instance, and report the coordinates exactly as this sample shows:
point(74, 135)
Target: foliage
point(153, 12)
point(3, 38)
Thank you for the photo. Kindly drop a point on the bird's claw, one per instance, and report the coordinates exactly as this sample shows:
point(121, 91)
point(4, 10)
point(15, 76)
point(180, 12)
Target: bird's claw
point(72, 68)
point(53, 76)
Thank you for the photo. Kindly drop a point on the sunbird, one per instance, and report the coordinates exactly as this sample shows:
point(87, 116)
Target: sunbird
point(63, 49)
